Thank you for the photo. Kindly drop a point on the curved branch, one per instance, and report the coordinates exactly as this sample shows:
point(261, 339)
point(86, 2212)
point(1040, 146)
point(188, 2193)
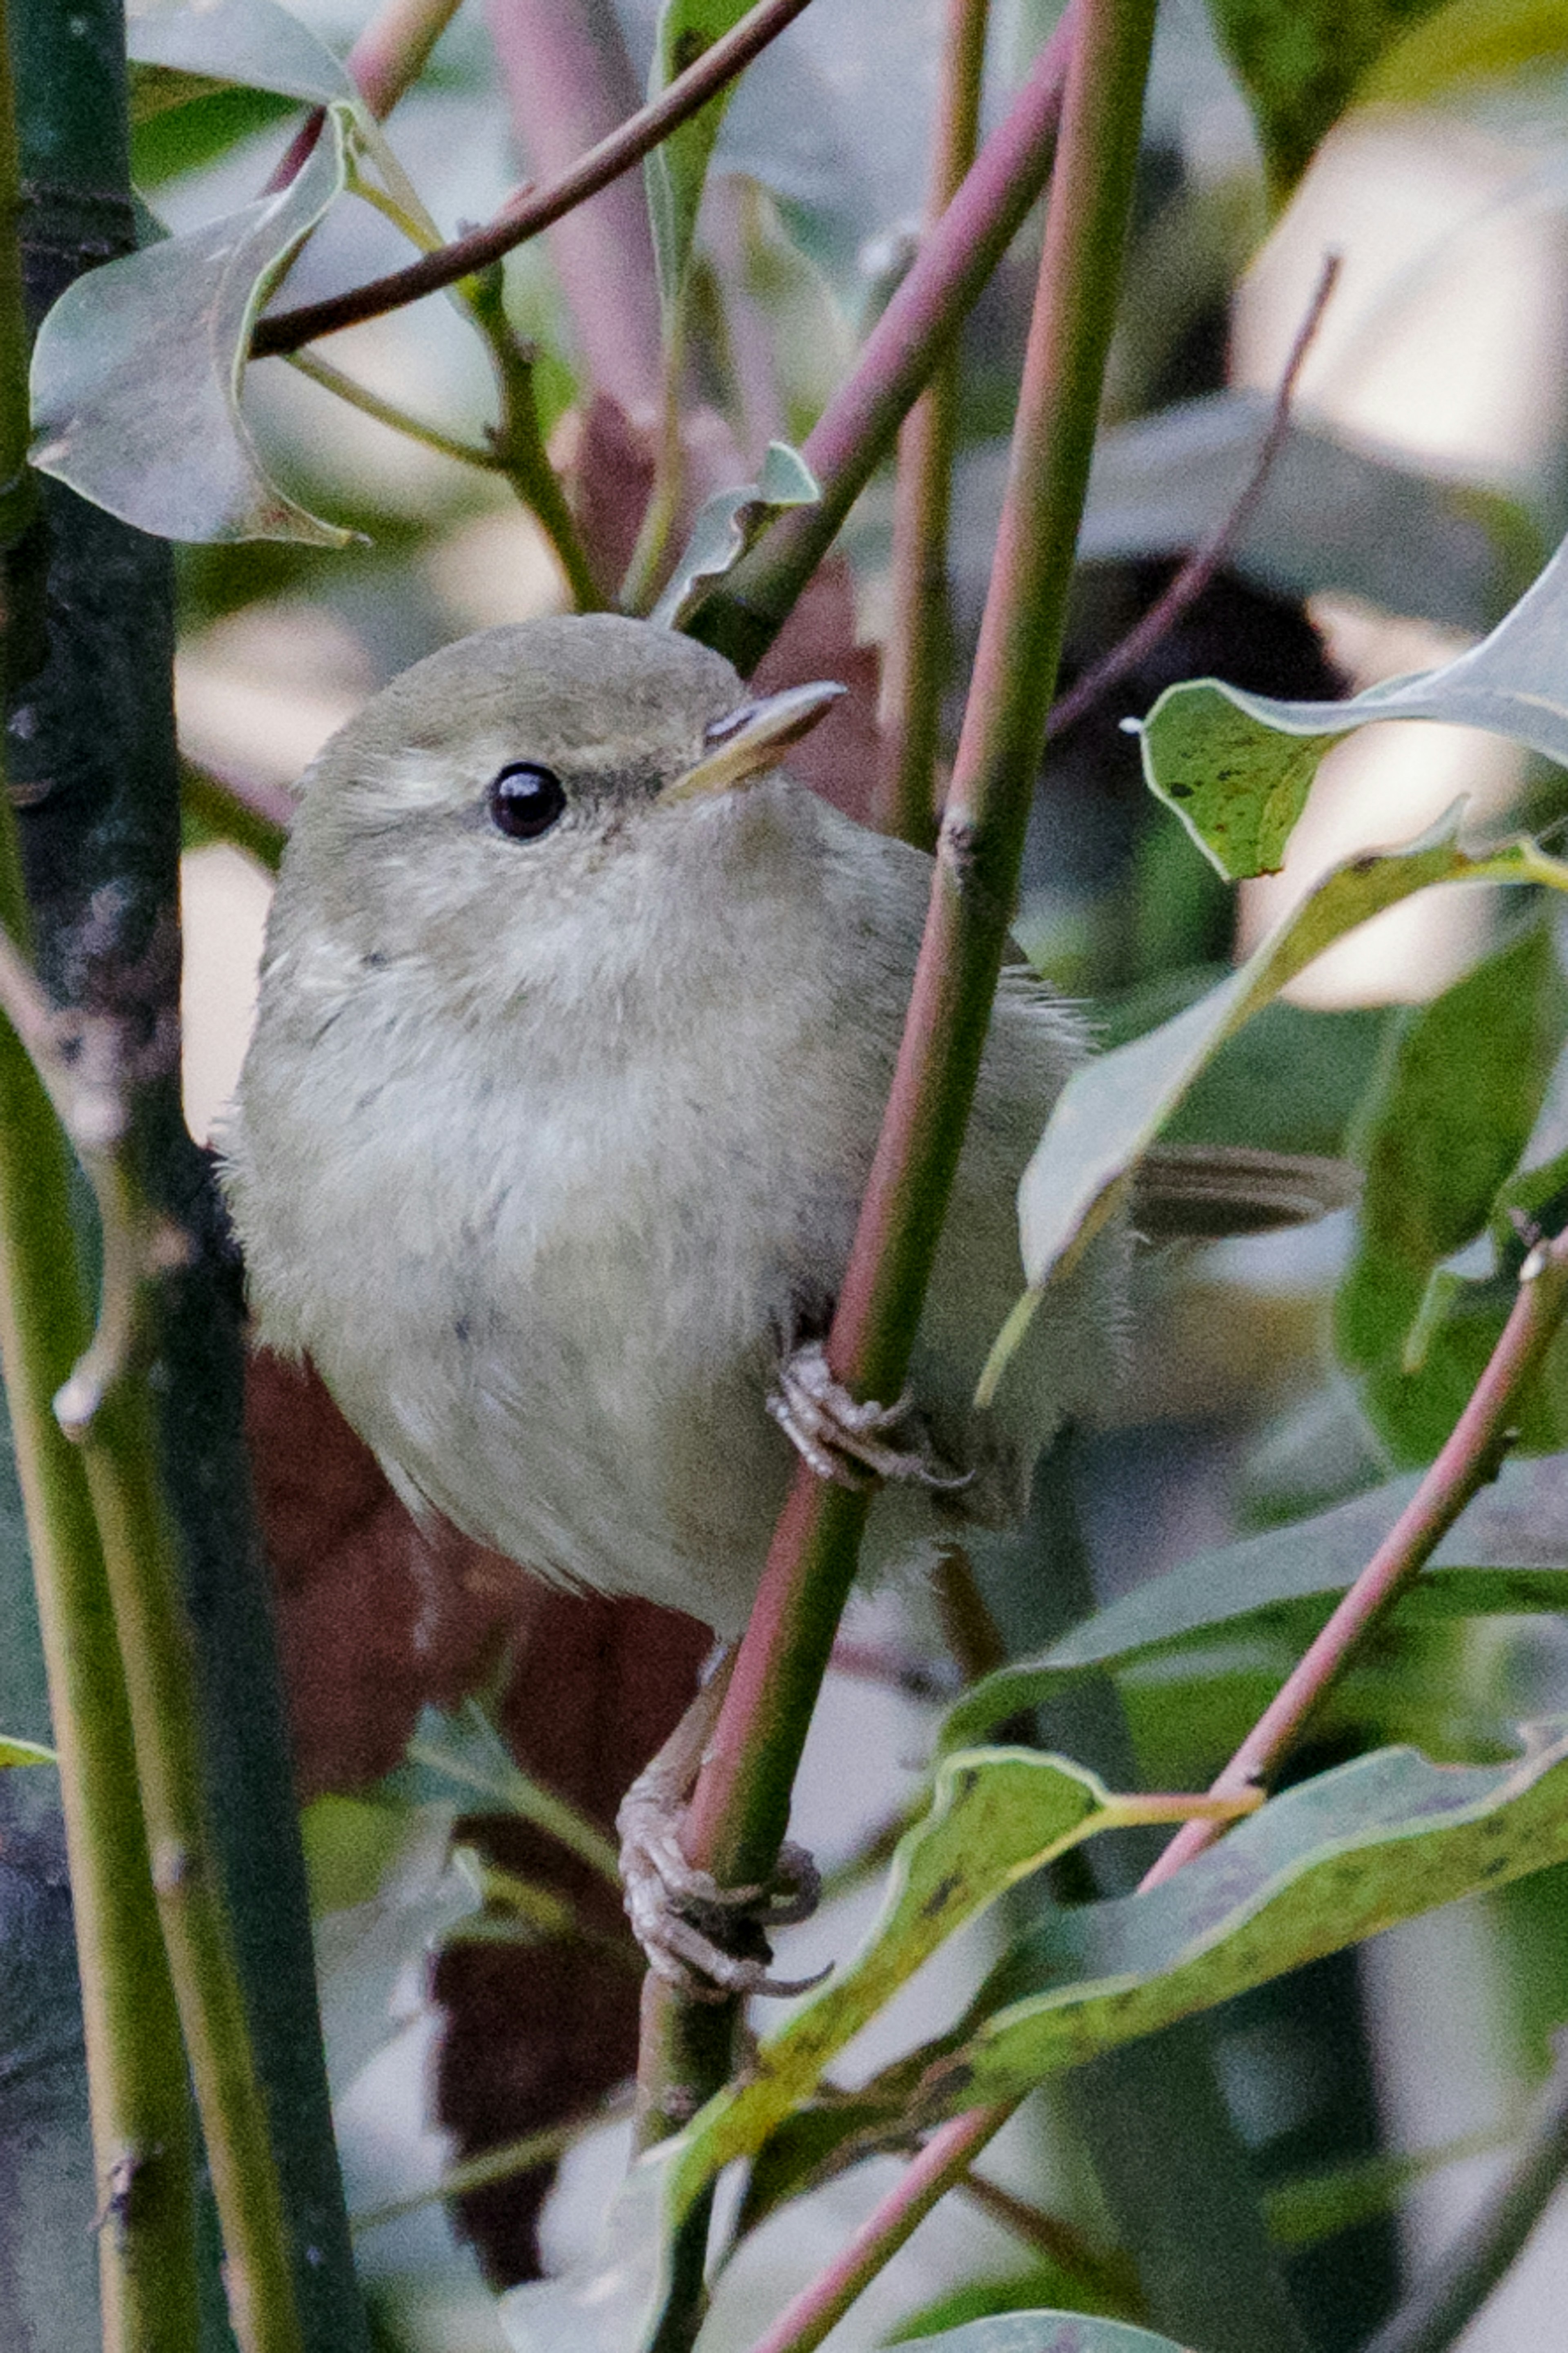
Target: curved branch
point(536, 209)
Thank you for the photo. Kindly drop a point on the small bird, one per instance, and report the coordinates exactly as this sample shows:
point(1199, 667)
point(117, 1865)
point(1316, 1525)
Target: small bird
point(576, 1025)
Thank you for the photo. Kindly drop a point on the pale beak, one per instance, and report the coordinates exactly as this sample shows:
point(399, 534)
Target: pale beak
point(752, 740)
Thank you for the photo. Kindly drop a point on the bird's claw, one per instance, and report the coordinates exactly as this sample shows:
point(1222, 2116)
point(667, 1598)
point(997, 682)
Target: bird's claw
point(841, 1438)
point(688, 1926)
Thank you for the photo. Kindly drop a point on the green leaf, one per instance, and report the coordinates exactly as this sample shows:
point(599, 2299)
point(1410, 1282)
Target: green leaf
point(995, 1816)
point(1334, 512)
point(250, 41)
point(1506, 1554)
point(23, 1752)
point(726, 525)
point(1329, 1863)
point(137, 369)
point(1449, 1117)
point(675, 172)
point(1044, 2332)
point(1236, 767)
point(1112, 1109)
point(1467, 43)
point(1334, 1860)
point(1299, 62)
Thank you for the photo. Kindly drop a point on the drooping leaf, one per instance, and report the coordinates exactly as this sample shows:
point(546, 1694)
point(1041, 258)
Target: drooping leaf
point(137, 369)
point(1508, 1553)
point(1044, 2332)
point(1300, 61)
point(365, 1950)
point(250, 41)
point(675, 172)
point(1335, 512)
point(1112, 1108)
point(1236, 767)
point(1451, 1112)
point(726, 525)
point(1467, 43)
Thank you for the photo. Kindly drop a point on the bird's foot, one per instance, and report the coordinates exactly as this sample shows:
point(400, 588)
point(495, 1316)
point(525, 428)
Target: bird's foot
point(708, 1941)
point(841, 1438)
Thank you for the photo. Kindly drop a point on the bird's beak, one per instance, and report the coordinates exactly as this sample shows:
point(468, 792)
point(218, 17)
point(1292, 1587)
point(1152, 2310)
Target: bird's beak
point(750, 740)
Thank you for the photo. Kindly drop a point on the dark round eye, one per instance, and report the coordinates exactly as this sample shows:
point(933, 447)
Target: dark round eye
point(525, 800)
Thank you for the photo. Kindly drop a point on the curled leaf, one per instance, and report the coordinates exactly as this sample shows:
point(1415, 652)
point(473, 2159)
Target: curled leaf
point(1236, 767)
point(137, 369)
point(728, 523)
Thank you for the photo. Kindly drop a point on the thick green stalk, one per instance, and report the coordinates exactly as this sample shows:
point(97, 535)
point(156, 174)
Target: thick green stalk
point(743, 1799)
point(139, 2101)
point(915, 667)
point(119, 1450)
point(93, 744)
point(740, 1805)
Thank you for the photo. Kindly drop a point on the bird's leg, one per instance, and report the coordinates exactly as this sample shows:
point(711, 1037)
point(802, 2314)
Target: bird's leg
point(841, 1438)
point(710, 1941)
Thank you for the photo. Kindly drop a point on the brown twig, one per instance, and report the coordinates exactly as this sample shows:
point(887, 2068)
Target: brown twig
point(1200, 567)
point(535, 210)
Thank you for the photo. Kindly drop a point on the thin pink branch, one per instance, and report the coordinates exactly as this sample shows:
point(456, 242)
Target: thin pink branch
point(536, 209)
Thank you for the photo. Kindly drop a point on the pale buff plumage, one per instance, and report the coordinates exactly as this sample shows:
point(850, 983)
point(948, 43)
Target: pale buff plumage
point(544, 1150)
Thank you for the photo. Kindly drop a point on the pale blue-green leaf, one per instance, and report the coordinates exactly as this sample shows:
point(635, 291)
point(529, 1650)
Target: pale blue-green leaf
point(250, 41)
point(23, 1752)
point(1112, 1109)
point(1044, 2332)
point(1507, 1554)
point(1333, 513)
point(1236, 767)
point(677, 167)
point(137, 369)
point(726, 525)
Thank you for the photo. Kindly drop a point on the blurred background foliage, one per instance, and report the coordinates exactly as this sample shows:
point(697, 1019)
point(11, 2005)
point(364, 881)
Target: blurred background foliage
point(1423, 479)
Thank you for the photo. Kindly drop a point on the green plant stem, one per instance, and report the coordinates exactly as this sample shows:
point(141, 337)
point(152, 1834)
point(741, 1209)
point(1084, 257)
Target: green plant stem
point(140, 2103)
point(387, 412)
point(856, 430)
point(537, 209)
point(519, 451)
point(255, 816)
point(1465, 1465)
point(93, 759)
point(119, 1448)
point(1468, 1461)
point(105, 1407)
point(741, 1804)
point(1443, 2304)
point(915, 665)
point(138, 2097)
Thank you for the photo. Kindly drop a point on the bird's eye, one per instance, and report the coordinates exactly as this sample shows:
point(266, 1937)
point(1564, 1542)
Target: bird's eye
point(525, 800)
